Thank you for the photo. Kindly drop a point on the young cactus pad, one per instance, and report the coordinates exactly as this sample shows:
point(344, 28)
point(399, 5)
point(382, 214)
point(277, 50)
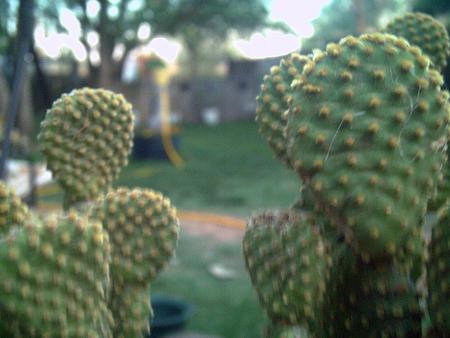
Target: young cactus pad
point(54, 279)
point(13, 212)
point(86, 138)
point(273, 106)
point(143, 229)
point(287, 262)
point(438, 274)
point(425, 32)
point(366, 132)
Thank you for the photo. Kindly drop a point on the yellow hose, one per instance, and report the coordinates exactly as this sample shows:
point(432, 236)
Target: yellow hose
point(162, 77)
point(166, 130)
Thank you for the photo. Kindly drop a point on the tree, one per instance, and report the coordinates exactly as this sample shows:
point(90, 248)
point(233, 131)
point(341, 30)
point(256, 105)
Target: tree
point(201, 23)
point(117, 22)
point(345, 17)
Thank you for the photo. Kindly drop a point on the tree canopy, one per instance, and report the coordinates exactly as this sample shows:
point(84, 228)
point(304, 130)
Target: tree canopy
point(117, 22)
point(345, 17)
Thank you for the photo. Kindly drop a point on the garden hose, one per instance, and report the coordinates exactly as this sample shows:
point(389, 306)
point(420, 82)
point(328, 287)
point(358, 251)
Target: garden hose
point(162, 78)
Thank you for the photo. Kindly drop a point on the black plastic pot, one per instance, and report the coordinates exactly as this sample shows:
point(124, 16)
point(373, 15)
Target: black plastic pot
point(169, 315)
point(151, 147)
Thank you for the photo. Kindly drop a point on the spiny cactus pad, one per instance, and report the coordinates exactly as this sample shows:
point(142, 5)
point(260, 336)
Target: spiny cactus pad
point(132, 312)
point(281, 331)
point(438, 274)
point(86, 138)
point(287, 262)
point(364, 300)
point(272, 110)
point(366, 134)
point(143, 230)
point(13, 211)
point(425, 32)
point(54, 279)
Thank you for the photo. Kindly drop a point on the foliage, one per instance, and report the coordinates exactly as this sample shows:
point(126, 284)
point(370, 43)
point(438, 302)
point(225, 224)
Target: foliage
point(349, 17)
point(117, 22)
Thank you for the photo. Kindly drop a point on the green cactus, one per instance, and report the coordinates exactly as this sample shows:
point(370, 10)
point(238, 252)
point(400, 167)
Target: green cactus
point(86, 138)
point(366, 300)
point(54, 279)
point(287, 262)
point(13, 212)
point(61, 277)
point(438, 274)
point(143, 229)
point(369, 110)
point(280, 331)
point(425, 32)
point(132, 311)
point(273, 106)
point(365, 126)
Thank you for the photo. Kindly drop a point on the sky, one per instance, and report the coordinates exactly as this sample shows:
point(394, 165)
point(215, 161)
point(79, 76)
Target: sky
point(297, 14)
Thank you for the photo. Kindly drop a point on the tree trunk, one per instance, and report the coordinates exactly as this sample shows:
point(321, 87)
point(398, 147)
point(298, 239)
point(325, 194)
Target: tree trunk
point(359, 16)
point(106, 49)
point(4, 94)
point(25, 113)
point(195, 99)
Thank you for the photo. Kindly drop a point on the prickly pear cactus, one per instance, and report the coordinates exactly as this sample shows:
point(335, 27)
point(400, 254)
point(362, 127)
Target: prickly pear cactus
point(273, 106)
point(438, 274)
point(132, 311)
point(143, 229)
point(365, 300)
point(281, 331)
point(54, 279)
point(13, 212)
point(366, 135)
point(426, 32)
point(86, 138)
point(287, 262)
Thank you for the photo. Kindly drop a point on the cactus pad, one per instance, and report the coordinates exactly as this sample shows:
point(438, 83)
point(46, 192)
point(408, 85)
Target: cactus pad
point(425, 32)
point(54, 280)
point(272, 110)
point(287, 262)
point(86, 138)
point(366, 134)
point(438, 274)
point(132, 312)
point(143, 229)
point(364, 300)
point(12, 210)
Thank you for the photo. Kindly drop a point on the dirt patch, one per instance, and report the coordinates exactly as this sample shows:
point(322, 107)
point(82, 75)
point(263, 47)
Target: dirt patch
point(218, 232)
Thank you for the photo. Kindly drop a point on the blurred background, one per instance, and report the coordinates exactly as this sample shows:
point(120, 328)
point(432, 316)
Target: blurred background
point(192, 70)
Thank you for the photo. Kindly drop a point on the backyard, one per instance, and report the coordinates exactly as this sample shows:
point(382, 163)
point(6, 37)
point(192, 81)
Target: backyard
point(229, 170)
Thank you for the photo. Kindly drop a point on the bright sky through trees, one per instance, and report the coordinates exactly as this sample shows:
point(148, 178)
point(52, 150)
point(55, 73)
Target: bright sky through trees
point(297, 14)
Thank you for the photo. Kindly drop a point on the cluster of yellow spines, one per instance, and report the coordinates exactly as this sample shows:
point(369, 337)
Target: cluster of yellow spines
point(13, 212)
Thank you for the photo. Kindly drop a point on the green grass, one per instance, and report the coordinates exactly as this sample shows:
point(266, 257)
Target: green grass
point(229, 168)
point(225, 308)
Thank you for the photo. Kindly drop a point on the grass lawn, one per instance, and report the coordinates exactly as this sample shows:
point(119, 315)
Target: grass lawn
point(225, 308)
point(229, 169)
